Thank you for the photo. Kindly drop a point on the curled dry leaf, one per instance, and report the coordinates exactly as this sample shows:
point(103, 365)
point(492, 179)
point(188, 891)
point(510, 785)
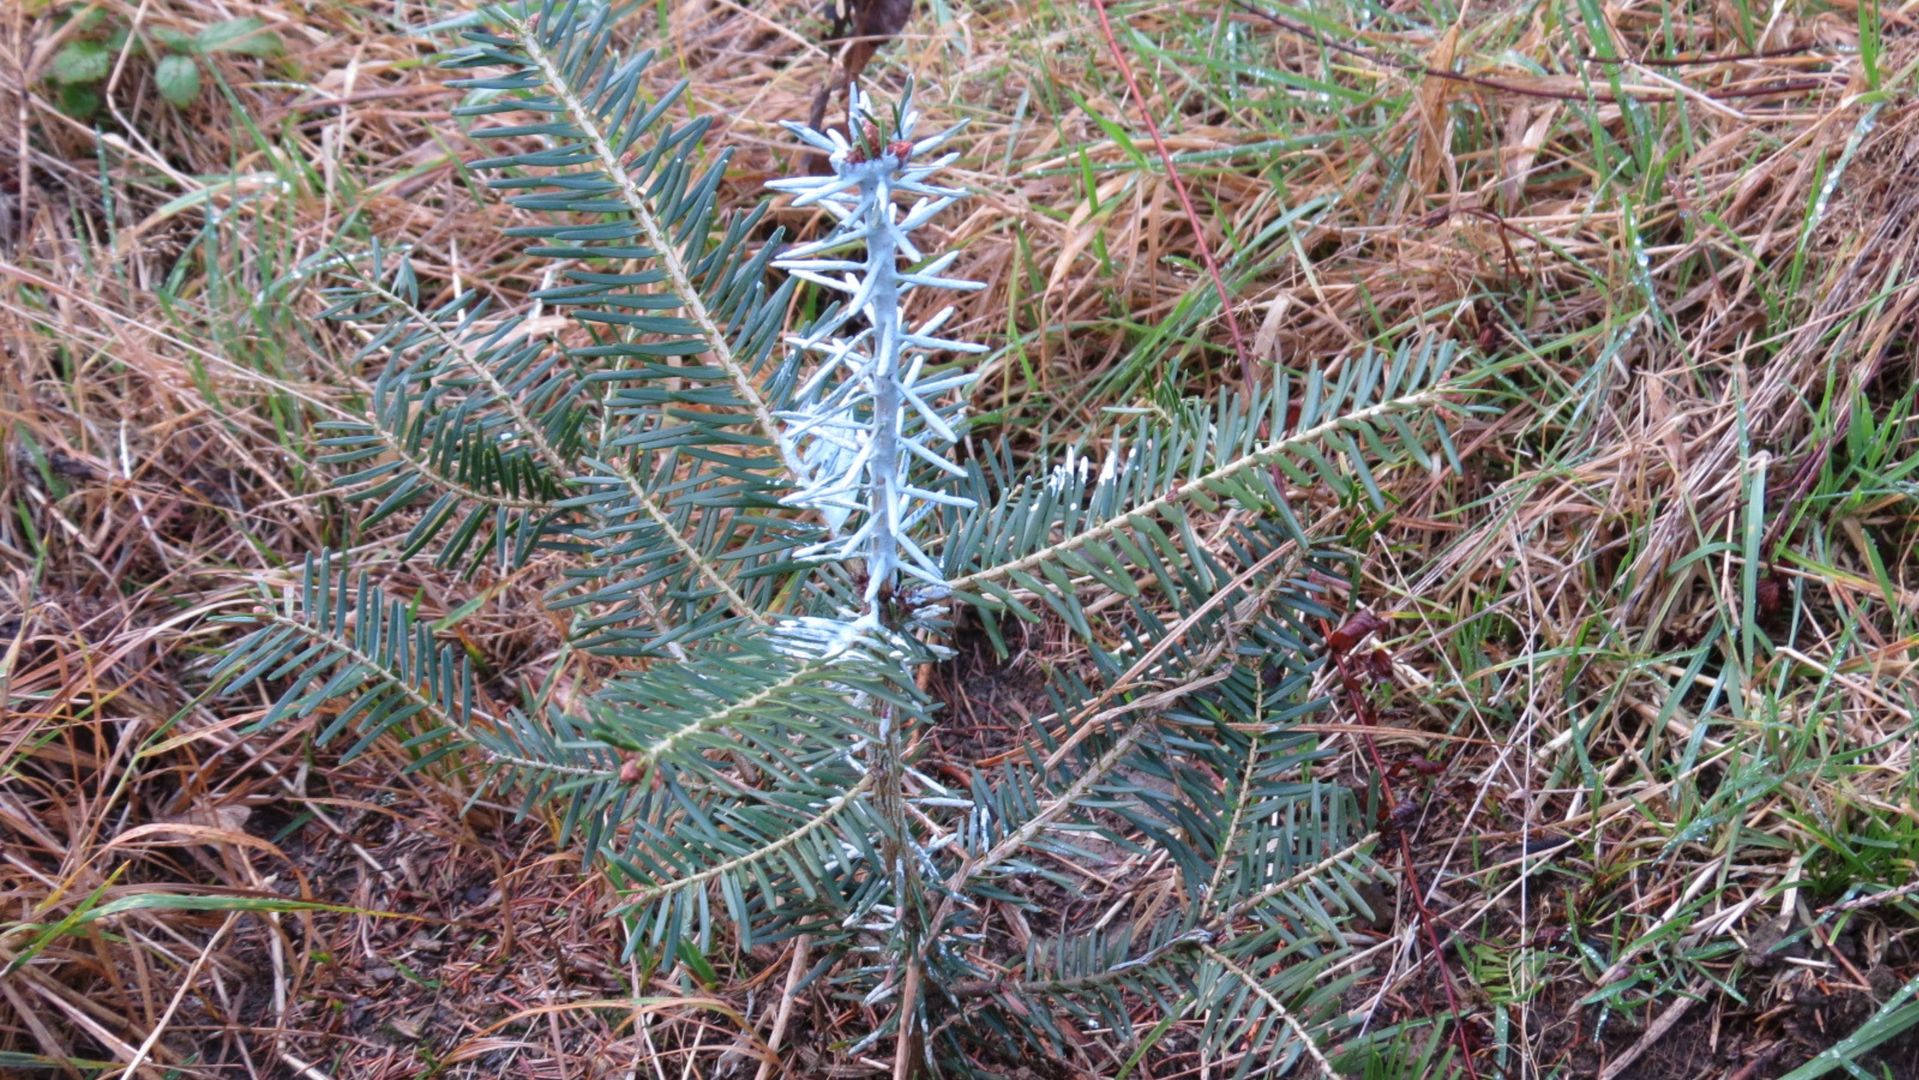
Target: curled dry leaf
point(1353, 631)
point(864, 25)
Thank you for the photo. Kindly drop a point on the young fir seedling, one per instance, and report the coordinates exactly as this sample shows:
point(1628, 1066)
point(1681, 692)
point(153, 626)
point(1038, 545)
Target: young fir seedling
point(757, 548)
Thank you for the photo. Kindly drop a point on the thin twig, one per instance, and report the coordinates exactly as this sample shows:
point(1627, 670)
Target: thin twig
point(801, 950)
point(1363, 711)
point(1185, 201)
point(1877, 898)
point(1440, 216)
point(1654, 1032)
point(173, 1006)
point(1785, 86)
point(1703, 61)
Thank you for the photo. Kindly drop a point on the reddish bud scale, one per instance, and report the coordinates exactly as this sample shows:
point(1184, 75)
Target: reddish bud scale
point(1771, 593)
point(1353, 631)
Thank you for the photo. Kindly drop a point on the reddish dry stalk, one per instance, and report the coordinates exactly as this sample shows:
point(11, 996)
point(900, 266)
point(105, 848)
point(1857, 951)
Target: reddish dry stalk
point(1363, 710)
point(1784, 86)
point(1185, 201)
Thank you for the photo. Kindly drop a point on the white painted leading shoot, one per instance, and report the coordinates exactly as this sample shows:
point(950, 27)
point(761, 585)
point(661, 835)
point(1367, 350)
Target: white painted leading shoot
point(868, 425)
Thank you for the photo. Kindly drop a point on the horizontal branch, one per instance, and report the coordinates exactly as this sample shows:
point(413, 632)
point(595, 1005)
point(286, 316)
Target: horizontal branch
point(428, 705)
point(773, 847)
point(1261, 457)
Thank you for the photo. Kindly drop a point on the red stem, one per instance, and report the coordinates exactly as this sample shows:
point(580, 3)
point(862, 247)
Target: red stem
point(1185, 201)
point(1363, 710)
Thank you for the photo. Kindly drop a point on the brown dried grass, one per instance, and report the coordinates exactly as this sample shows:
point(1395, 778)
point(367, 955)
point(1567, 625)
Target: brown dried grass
point(152, 467)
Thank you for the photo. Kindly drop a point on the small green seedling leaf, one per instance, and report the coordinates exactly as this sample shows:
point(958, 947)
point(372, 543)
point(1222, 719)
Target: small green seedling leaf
point(174, 40)
point(79, 100)
point(81, 62)
point(248, 37)
point(695, 962)
point(179, 80)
